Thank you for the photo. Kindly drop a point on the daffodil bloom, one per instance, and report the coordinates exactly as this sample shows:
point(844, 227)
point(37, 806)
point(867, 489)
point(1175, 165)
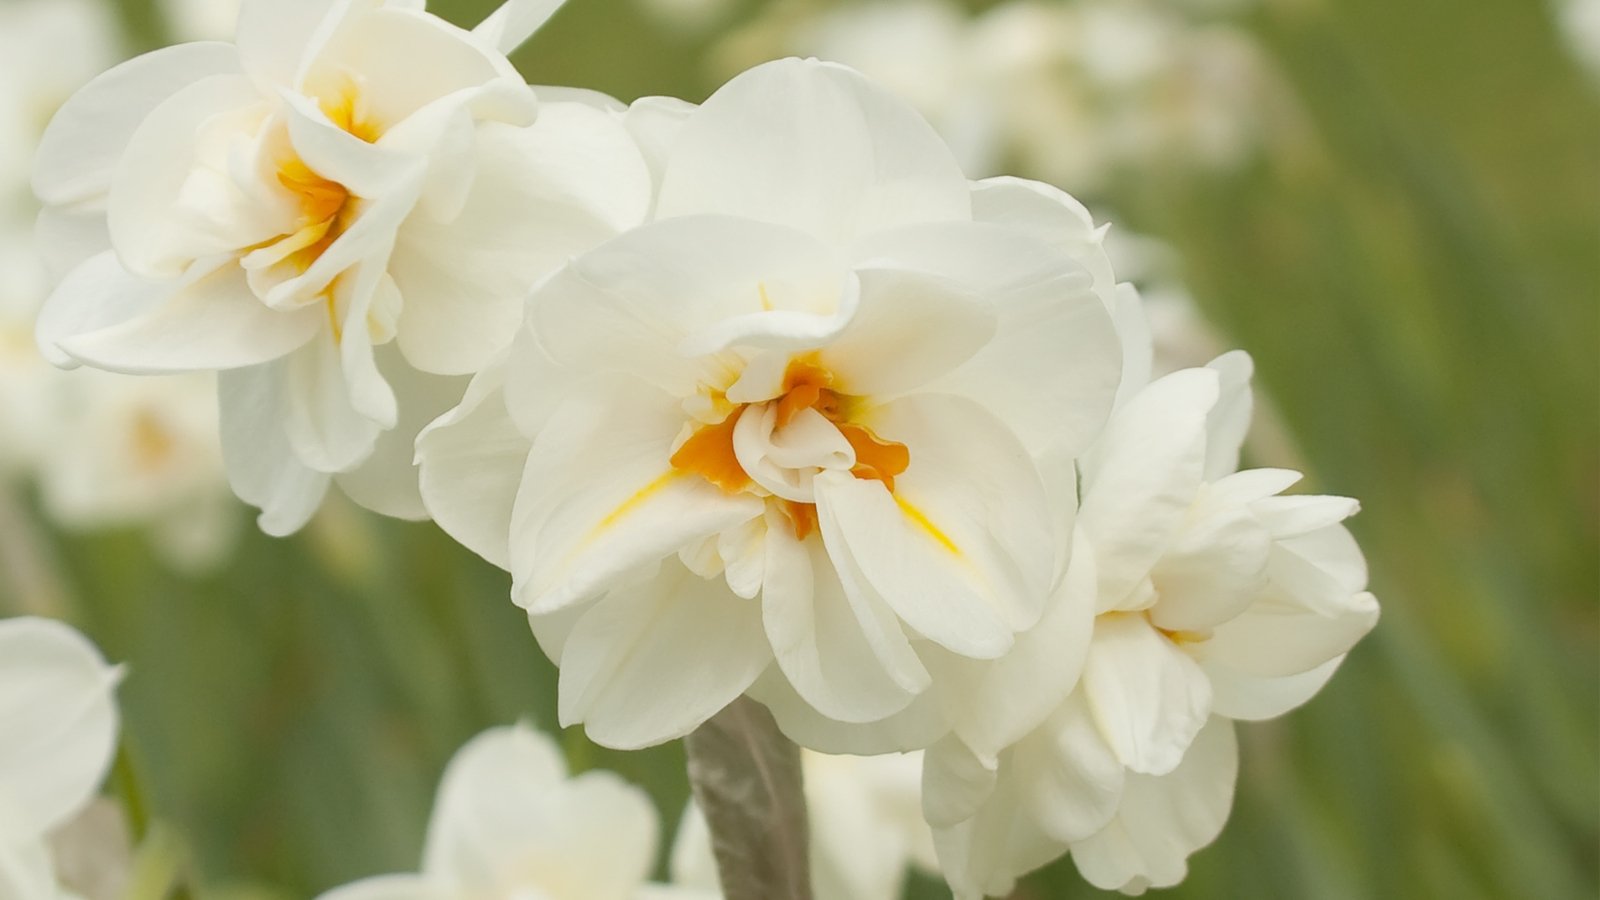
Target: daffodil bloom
point(58, 733)
point(1217, 598)
point(790, 424)
point(339, 212)
point(509, 822)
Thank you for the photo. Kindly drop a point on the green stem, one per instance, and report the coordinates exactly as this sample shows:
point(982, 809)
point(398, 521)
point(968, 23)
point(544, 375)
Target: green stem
point(130, 787)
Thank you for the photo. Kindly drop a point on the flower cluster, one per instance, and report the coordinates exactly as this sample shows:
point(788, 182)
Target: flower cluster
point(762, 396)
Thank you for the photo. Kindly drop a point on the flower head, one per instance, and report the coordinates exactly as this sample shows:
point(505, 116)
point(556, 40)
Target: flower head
point(792, 420)
point(339, 211)
point(1216, 599)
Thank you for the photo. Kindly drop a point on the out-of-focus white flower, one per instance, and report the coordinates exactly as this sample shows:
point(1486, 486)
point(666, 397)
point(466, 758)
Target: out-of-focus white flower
point(58, 733)
point(793, 420)
point(1218, 598)
point(1070, 92)
point(1579, 21)
point(48, 49)
point(865, 822)
point(200, 20)
point(341, 213)
point(510, 822)
point(132, 451)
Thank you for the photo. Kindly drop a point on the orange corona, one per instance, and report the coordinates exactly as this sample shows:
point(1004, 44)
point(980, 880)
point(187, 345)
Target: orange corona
point(806, 385)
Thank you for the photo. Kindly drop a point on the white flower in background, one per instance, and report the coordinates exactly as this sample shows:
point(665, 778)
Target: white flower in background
point(866, 828)
point(793, 420)
point(509, 822)
point(139, 451)
point(1069, 92)
point(1579, 21)
point(1218, 598)
point(48, 49)
point(58, 734)
point(340, 213)
point(200, 20)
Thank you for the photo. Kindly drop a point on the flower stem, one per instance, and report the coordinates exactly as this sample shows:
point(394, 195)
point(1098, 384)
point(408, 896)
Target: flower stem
point(746, 779)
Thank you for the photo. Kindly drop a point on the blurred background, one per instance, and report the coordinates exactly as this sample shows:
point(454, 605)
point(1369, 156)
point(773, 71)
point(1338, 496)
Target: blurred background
point(1394, 205)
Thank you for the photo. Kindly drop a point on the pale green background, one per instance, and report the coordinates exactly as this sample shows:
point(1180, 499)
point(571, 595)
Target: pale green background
point(1419, 284)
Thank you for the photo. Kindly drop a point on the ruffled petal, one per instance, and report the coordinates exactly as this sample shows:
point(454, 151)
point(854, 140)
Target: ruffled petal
point(652, 662)
point(1148, 696)
point(599, 497)
point(814, 146)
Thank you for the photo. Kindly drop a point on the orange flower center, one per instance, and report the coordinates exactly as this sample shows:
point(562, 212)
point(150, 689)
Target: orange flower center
point(807, 385)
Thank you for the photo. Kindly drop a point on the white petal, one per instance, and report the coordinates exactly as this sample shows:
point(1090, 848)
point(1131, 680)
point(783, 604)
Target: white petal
point(985, 854)
point(326, 431)
point(629, 305)
point(913, 728)
point(80, 149)
point(1215, 569)
point(1229, 421)
point(506, 822)
point(1149, 698)
point(650, 663)
point(655, 123)
point(362, 168)
point(909, 329)
point(1299, 514)
point(275, 37)
point(1073, 778)
point(1165, 819)
point(1253, 698)
point(599, 498)
point(541, 195)
point(1280, 637)
point(843, 652)
point(471, 461)
point(964, 550)
point(151, 232)
point(96, 294)
point(68, 236)
point(503, 774)
point(1051, 370)
point(214, 322)
point(815, 146)
point(993, 704)
point(956, 783)
point(262, 468)
point(387, 482)
point(1142, 478)
point(406, 60)
point(26, 870)
point(1052, 216)
point(514, 22)
point(58, 724)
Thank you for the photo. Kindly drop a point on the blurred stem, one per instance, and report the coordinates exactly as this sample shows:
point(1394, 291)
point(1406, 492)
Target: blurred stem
point(747, 781)
point(159, 868)
point(135, 805)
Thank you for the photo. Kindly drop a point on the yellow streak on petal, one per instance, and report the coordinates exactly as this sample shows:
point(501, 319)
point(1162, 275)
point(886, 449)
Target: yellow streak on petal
point(922, 521)
point(634, 502)
point(766, 301)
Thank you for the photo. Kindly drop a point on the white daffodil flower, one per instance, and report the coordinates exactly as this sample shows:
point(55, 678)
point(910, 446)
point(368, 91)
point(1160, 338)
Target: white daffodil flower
point(340, 212)
point(510, 824)
point(1217, 599)
point(58, 734)
point(866, 828)
point(790, 423)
